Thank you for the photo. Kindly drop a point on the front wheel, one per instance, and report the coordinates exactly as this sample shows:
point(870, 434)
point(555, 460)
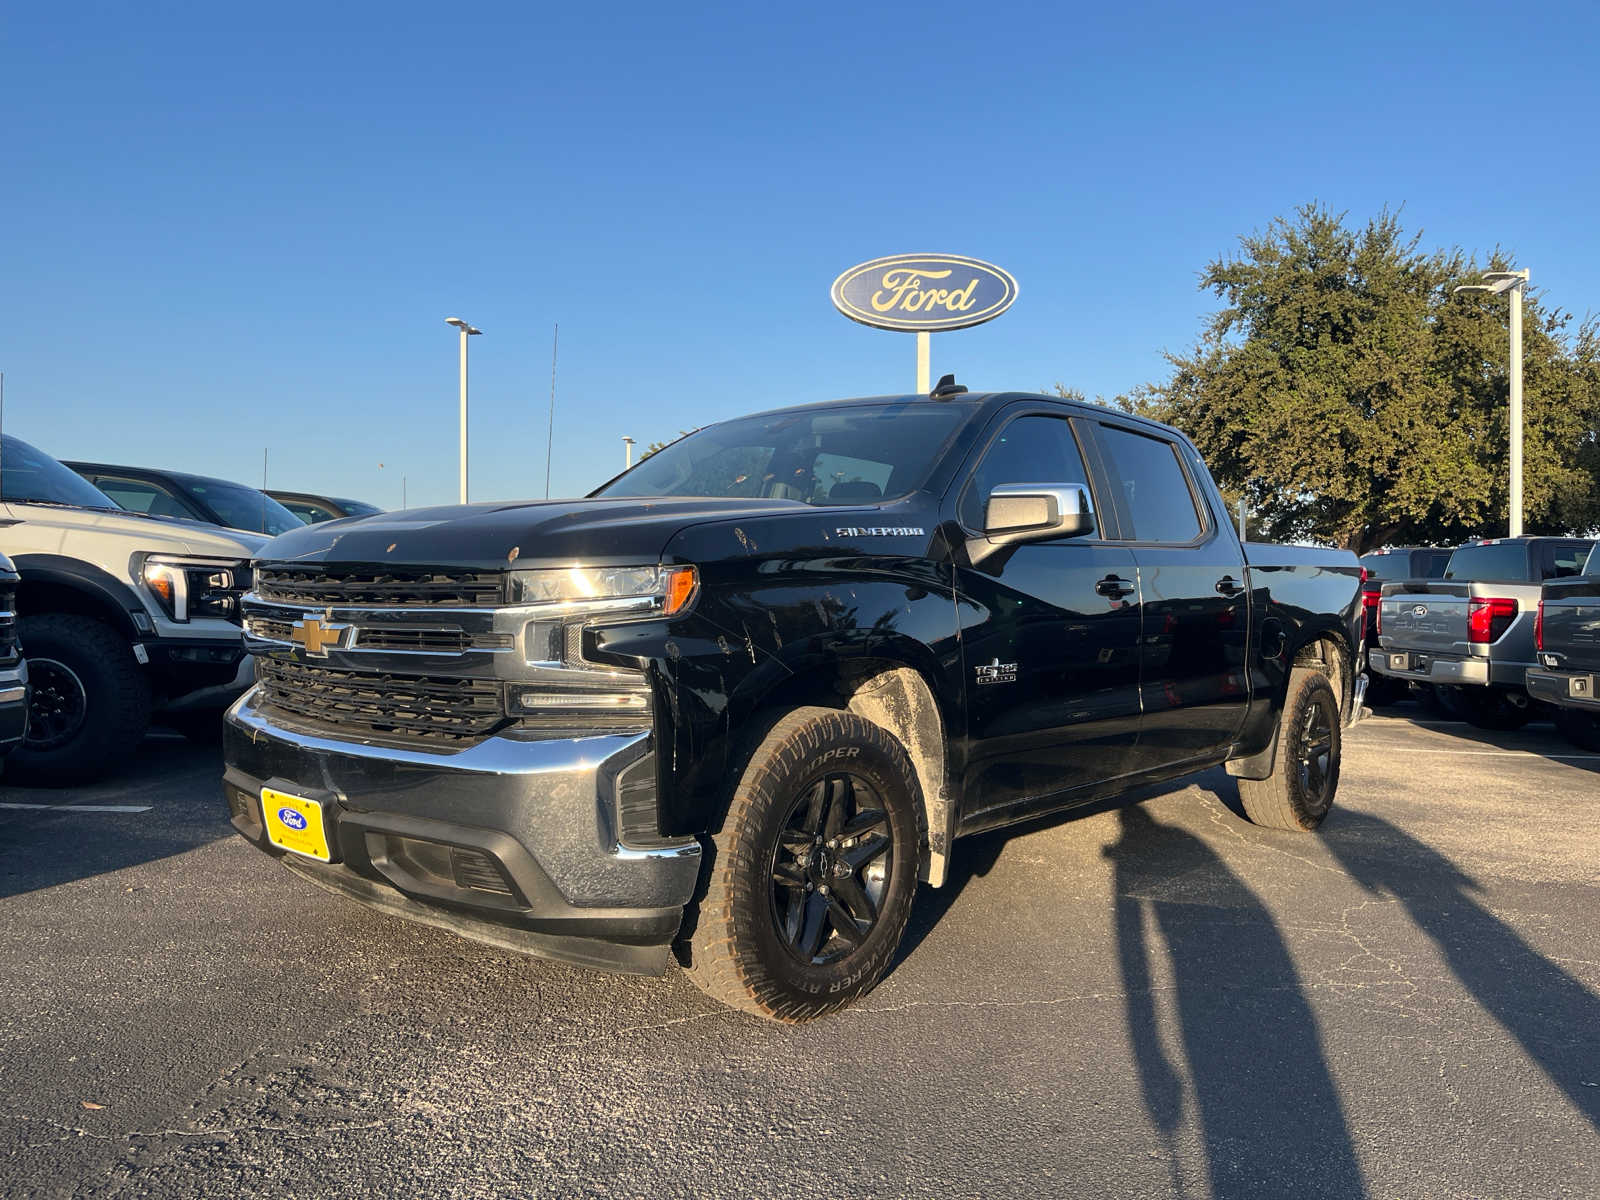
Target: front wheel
point(1300, 790)
point(88, 702)
point(813, 871)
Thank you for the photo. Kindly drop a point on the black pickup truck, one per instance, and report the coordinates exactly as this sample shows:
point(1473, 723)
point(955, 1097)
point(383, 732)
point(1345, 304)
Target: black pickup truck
point(740, 699)
point(1566, 635)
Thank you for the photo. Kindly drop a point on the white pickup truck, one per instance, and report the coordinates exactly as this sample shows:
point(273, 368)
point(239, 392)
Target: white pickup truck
point(121, 616)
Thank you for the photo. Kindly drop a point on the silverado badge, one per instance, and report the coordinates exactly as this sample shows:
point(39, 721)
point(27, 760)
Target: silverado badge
point(316, 637)
point(997, 672)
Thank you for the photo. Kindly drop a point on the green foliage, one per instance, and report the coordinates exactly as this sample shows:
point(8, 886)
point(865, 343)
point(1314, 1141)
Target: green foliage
point(1354, 398)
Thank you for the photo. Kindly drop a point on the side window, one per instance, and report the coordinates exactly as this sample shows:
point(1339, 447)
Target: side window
point(137, 495)
point(308, 512)
point(1560, 561)
point(1155, 491)
point(1029, 450)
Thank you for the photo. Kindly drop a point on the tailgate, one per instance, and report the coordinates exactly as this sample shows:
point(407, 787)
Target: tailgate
point(1423, 616)
point(1572, 623)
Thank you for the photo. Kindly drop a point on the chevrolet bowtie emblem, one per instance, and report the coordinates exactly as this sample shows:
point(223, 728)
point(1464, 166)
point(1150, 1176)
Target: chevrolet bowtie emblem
point(316, 637)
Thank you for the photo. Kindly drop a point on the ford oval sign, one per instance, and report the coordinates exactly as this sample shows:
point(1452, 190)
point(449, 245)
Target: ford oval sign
point(294, 820)
point(921, 293)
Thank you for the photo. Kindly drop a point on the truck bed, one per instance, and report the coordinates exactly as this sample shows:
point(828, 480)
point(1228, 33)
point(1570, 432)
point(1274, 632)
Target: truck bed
point(1572, 622)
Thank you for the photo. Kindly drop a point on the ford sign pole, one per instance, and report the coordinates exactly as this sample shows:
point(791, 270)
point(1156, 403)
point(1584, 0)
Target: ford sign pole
point(1515, 282)
point(466, 332)
point(921, 294)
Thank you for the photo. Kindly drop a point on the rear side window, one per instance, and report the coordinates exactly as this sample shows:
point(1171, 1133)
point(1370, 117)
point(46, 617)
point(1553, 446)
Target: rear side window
point(1560, 561)
point(1155, 491)
point(1497, 560)
point(1432, 564)
point(1029, 450)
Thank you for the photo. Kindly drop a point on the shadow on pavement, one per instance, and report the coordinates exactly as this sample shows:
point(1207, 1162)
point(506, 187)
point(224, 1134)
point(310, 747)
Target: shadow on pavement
point(41, 847)
point(1265, 1102)
point(1554, 1017)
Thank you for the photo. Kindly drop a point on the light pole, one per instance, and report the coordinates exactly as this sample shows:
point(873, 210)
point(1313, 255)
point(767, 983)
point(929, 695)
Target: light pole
point(1498, 283)
point(627, 452)
point(466, 332)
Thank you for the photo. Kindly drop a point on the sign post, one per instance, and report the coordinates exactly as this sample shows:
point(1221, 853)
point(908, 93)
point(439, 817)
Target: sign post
point(922, 294)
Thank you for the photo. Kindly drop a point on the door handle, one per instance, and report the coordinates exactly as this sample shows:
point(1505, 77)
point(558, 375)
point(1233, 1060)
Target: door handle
point(1228, 586)
point(1115, 587)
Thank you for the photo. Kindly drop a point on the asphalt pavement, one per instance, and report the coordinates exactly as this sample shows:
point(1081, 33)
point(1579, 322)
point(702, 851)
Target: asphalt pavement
point(1155, 999)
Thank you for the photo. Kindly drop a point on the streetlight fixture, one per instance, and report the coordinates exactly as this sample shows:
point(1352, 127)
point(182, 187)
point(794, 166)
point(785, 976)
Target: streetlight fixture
point(1498, 283)
point(627, 452)
point(466, 332)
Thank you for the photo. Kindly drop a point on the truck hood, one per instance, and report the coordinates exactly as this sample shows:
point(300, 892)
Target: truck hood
point(489, 537)
point(58, 527)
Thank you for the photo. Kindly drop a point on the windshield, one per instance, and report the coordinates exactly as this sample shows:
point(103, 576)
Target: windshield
point(358, 508)
point(849, 455)
point(244, 508)
point(28, 474)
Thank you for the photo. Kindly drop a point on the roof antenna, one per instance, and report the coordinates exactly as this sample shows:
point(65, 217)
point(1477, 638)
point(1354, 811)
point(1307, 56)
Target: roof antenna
point(945, 388)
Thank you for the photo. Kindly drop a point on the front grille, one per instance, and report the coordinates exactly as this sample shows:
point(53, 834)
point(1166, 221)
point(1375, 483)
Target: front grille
point(418, 588)
point(429, 708)
point(8, 623)
point(438, 641)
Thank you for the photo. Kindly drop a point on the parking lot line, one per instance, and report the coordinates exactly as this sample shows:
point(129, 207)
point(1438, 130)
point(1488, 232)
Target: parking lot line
point(1486, 753)
point(97, 808)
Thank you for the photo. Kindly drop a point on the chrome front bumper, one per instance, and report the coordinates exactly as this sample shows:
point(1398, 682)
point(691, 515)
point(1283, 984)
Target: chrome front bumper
point(542, 811)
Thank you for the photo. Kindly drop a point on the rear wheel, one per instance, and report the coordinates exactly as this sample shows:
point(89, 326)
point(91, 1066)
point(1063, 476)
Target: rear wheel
point(88, 703)
point(1305, 777)
point(1493, 708)
point(813, 871)
point(1582, 729)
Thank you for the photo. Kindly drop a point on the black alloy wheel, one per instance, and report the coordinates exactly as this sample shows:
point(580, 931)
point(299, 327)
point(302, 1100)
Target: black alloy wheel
point(829, 869)
point(1316, 753)
point(58, 704)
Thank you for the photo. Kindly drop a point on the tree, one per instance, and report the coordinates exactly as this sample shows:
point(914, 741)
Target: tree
point(1353, 398)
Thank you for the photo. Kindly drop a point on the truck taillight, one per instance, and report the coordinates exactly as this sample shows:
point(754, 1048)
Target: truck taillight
point(1488, 617)
point(1378, 627)
point(1538, 627)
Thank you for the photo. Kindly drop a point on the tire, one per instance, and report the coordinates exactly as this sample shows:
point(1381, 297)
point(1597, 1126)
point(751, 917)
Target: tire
point(1493, 708)
point(89, 704)
point(1305, 776)
point(822, 838)
point(1582, 729)
point(1383, 691)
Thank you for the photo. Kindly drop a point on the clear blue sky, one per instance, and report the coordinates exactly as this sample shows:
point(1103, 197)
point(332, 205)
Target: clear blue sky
point(228, 227)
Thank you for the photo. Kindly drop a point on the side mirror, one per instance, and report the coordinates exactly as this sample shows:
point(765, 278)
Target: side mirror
point(1032, 512)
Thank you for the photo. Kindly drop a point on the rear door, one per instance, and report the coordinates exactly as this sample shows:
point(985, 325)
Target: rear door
point(1050, 632)
point(1192, 589)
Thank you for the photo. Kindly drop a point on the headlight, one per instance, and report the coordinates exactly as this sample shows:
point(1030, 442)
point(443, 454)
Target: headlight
point(195, 587)
point(570, 690)
point(646, 590)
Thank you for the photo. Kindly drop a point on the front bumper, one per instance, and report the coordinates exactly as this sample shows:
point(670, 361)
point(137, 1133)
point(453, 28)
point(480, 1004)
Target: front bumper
point(196, 675)
point(1565, 689)
point(13, 705)
point(532, 818)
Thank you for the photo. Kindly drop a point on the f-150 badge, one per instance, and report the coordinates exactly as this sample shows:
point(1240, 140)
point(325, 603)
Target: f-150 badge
point(997, 672)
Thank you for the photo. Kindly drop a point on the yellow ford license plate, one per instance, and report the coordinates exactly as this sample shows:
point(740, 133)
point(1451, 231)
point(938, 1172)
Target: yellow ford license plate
point(295, 823)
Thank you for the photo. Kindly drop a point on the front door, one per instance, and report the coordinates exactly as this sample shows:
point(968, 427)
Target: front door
point(1049, 641)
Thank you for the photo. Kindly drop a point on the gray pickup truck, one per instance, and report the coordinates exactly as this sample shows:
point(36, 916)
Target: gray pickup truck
point(1567, 641)
point(1470, 634)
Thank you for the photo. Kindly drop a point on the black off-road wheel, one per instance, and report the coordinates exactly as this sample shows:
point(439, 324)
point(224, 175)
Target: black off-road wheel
point(1582, 729)
point(813, 872)
point(1300, 790)
point(88, 702)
